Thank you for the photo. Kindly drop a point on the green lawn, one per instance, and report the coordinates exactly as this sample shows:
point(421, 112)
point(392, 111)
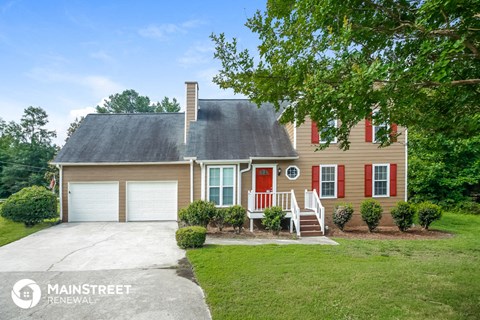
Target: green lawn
point(11, 231)
point(359, 279)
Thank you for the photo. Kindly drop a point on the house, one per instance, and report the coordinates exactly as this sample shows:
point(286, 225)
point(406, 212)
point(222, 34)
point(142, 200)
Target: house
point(26, 293)
point(137, 167)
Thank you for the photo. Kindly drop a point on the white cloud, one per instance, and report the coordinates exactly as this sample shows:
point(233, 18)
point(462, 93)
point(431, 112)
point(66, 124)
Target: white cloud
point(200, 53)
point(98, 85)
point(78, 113)
point(163, 31)
point(102, 56)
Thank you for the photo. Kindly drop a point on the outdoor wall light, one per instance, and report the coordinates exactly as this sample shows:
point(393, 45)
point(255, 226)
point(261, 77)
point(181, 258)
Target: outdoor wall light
point(279, 171)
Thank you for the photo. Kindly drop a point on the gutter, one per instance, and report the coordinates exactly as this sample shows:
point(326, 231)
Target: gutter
point(60, 189)
point(191, 180)
point(116, 163)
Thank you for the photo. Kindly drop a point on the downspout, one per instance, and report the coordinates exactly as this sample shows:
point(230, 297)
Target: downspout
point(60, 189)
point(406, 164)
point(202, 178)
point(239, 192)
point(191, 180)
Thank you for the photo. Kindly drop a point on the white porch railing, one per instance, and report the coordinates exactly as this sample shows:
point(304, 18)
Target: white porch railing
point(258, 201)
point(312, 202)
point(295, 209)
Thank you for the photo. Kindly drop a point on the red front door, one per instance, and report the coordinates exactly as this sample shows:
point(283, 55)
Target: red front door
point(263, 186)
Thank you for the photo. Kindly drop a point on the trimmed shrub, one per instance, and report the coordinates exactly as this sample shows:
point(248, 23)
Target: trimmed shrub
point(273, 219)
point(371, 212)
point(402, 215)
point(191, 237)
point(198, 213)
point(468, 207)
point(427, 213)
point(219, 217)
point(236, 216)
point(30, 205)
point(342, 213)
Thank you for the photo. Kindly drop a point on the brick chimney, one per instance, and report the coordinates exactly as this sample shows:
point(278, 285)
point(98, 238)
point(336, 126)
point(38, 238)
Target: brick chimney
point(191, 105)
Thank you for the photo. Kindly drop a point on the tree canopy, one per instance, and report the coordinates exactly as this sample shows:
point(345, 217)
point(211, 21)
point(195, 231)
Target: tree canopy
point(417, 63)
point(25, 150)
point(130, 101)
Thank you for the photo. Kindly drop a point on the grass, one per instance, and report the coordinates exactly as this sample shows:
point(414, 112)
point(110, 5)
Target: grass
point(12, 231)
point(359, 279)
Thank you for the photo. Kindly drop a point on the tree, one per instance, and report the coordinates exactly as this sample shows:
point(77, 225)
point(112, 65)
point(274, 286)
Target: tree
point(417, 63)
point(28, 149)
point(129, 101)
point(73, 127)
point(167, 106)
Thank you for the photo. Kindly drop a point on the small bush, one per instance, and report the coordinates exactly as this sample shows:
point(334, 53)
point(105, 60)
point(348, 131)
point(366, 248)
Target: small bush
point(236, 216)
point(191, 237)
point(273, 219)
point(371, 212)
point(342, 214)
point(30, 205)
point(468, 207)
point(219, 218)
point(427, 213)
point(198, 213)
point(402, 215)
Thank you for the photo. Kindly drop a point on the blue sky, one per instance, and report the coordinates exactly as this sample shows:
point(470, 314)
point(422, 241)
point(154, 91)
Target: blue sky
point(67, 56)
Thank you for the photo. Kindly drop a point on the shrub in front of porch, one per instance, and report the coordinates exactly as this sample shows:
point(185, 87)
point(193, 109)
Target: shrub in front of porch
point(191, 237)
point(273, 219)
point(236, 216)
point(198, 213)
point(342, 213)
point(220, 217)
point(371, 212)
point(402, 215)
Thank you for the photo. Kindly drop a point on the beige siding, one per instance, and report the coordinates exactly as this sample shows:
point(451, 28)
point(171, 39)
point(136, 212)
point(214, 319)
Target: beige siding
point(290, 128)
point(360, 153)
point(123, 173)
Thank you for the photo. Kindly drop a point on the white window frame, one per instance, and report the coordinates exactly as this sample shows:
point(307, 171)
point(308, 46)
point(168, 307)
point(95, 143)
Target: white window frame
point(388, 180)
point(335, 187)
point(221, 186)
point(386, 125)
point(298, 172)
point(335, 140)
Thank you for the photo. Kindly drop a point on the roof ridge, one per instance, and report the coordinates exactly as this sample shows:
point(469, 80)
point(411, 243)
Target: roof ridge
point(133, 113)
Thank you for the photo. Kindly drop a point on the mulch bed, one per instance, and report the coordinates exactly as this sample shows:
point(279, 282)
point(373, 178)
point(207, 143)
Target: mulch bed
point(387, 233)
point(228, 233)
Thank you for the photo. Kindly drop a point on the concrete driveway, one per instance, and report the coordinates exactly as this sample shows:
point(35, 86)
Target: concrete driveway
point(141, 259)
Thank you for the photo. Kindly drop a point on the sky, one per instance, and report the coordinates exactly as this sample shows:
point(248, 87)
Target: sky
point(66, 56)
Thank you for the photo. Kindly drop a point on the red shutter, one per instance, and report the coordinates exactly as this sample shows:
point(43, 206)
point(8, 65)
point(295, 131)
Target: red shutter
point(393, 132)
point(368, 130)
point(368, 180)
point(316, 178)
point(393, 180)
point(341, 181)
point(315, 135)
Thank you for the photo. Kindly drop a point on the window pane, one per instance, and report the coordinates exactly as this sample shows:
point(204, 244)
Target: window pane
point(214, 177)
point(228, 196)
point(380, 188)
point(292, 172)
point(380, 173)
point(215, 195)
point(328, 189)
point(328, 174)
point(228, 176)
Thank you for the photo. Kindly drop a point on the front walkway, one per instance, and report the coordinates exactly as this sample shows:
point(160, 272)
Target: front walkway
point(255, 242)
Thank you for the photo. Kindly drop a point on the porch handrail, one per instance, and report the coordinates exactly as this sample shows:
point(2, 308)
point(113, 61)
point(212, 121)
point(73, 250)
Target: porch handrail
point(312, 202)
point(258, 201)
point(295, 209)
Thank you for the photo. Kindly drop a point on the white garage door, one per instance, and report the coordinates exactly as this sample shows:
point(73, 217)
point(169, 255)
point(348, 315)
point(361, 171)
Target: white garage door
point(93, 201)
point(148, 201)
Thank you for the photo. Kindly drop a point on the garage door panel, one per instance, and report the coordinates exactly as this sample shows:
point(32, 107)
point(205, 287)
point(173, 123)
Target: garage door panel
point(93, 202)
point(147, 201)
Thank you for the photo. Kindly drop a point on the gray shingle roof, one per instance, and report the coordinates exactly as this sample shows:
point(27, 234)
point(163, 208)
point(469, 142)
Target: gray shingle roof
point(237, 129)
point(151, 137)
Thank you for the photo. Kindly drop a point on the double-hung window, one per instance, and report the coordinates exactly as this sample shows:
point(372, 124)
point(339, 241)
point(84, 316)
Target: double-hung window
point(324, 135)
point(376, 130)
point(381, 173)
point(328, 181)
point(221, 185)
